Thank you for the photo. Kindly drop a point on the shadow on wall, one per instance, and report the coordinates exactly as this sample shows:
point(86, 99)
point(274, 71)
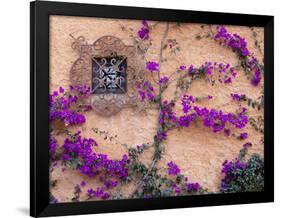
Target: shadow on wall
point(23, 210)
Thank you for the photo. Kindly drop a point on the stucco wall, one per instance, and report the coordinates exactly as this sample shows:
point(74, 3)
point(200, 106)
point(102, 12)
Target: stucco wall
point(196, 150)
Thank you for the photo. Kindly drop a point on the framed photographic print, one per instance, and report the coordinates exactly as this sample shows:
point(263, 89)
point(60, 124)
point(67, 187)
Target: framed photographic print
point(141, 109)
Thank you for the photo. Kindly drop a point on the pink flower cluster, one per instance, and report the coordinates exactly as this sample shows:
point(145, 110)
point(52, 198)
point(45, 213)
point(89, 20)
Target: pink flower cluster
point(90, 162)
point(63, 106)
point(226, 72)
point(217, 120)
point(190, 187)
point(236, 42)
point(239, 45)
point(145, 91)
point(143, 33)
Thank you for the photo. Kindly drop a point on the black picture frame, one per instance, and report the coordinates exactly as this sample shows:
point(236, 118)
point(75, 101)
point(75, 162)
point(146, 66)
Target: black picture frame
point(39, 93)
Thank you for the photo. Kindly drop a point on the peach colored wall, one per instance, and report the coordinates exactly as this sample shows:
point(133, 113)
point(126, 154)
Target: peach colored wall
point(197, 150)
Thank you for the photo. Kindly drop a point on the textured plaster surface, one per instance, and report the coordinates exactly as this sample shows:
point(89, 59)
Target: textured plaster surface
point(196, 150)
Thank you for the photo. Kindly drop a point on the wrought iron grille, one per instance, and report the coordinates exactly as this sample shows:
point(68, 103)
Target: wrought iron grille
point(109, 75)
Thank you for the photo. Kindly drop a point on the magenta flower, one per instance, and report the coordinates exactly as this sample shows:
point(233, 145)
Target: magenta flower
point(238, 97)
point(52, 147)
point(193, 187)
point(92, 163)
point(191, 69)
point(234, 41)
point(143, 33)
point(110, 183)
point(239, 45)
point(145, 91)
point(208, 68)
point(144, 22)
point(176, 188)
point(228, 80)
point(161, 135)
point(186, 102)
point(211, 118)
point(83, 183)
point(247, 145)
point(164, 80)
point(152, 66)
point(256, 78)
point(173, 169)
point(166, 114)
point(61, 90)
point(243, 135)
point(62, 106)
point(182, 67)
point(90, 193)
point(105, 196)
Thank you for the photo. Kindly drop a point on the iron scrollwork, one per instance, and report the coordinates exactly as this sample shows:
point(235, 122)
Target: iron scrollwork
point(111, 69)
point(109, 75)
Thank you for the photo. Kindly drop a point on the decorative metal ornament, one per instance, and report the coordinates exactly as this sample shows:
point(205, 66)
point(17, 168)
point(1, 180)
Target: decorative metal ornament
point(109, 75)
point(111, 69)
